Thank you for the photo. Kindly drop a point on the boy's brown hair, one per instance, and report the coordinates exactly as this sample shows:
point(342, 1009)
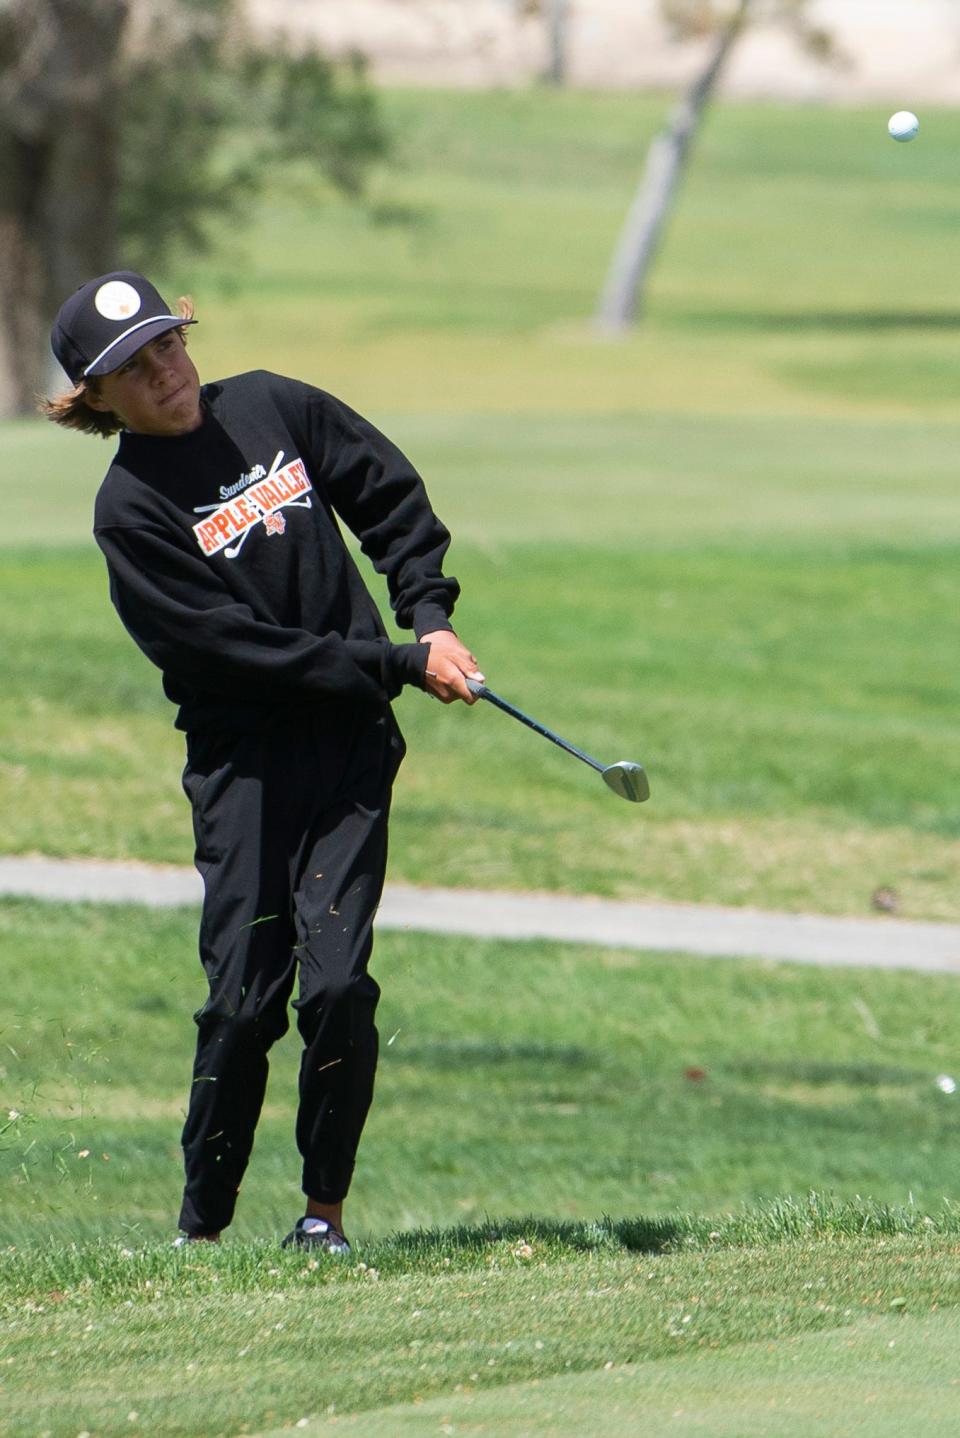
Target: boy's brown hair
point(71, 409)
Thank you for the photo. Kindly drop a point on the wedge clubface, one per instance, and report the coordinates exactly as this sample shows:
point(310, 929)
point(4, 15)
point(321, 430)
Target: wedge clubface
point(625, 778)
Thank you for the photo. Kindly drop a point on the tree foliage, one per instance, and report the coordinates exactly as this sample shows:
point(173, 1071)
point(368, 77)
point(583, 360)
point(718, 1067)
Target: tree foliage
point(128, 126)
point(697, 19)
point(209, 112)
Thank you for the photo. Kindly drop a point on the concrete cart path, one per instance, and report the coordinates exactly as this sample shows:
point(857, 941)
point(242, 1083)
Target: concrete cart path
point(686, 928)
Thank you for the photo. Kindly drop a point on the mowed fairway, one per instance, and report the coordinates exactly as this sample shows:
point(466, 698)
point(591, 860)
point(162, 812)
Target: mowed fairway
point(871, 1378)
point(724, 547)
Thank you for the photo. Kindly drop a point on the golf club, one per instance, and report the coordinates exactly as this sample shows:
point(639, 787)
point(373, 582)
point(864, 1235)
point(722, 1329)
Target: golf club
point(625, 778)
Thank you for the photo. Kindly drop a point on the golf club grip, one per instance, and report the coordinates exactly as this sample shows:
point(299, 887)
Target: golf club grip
point(482, 692)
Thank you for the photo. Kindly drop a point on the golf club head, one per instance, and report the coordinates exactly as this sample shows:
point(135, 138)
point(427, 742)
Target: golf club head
point(628, 780)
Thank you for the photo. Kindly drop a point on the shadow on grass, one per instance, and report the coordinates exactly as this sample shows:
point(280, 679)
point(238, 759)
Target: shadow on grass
point(856, 1075)
point(804, 320)
point(637, 1235)
point(776, 1221)
point(474, 1053)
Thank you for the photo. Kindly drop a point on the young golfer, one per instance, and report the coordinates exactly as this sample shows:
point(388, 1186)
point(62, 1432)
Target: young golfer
point(218, 518)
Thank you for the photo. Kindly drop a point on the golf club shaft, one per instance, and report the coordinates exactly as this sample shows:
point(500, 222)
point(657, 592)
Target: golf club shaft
point(482, 692)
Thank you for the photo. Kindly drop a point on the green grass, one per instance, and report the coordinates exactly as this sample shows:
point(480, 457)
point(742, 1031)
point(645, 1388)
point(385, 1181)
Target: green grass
point(795, 709)
point(807, 267)
point(725, 547)
point(515, 1079)
point(877, 1377)
point(525, 1335)
point(566, 1200)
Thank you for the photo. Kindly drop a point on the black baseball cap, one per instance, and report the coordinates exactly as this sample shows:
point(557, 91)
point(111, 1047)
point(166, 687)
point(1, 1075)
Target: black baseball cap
point(107, 320)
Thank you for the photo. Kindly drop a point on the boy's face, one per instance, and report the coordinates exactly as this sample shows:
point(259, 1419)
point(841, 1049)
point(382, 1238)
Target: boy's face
point(156, 392)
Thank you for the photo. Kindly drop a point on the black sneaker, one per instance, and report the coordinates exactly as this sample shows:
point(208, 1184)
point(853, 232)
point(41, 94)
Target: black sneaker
point(316, 1233)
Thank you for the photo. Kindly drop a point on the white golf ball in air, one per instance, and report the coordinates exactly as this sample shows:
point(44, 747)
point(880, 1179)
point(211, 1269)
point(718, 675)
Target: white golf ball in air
point(903, 125)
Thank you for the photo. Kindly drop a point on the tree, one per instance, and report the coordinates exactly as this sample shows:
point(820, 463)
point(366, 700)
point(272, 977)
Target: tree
point(555, 18)
point(58, 94)
point(722, 22)
point(127, 126)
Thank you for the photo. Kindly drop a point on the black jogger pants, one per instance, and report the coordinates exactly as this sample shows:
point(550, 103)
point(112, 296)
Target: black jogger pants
point(291, 840)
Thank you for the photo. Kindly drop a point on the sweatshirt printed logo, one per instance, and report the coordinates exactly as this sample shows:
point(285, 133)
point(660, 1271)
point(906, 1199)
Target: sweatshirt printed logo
point(227, 526)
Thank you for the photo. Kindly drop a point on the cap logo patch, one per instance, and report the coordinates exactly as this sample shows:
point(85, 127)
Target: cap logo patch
point(116, 300)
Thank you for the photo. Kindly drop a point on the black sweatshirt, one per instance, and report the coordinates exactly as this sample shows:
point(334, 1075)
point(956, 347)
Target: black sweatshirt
point(228, 568)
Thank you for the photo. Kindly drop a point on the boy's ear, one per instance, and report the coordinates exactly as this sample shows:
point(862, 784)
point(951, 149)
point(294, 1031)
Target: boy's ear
point(94, 399)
